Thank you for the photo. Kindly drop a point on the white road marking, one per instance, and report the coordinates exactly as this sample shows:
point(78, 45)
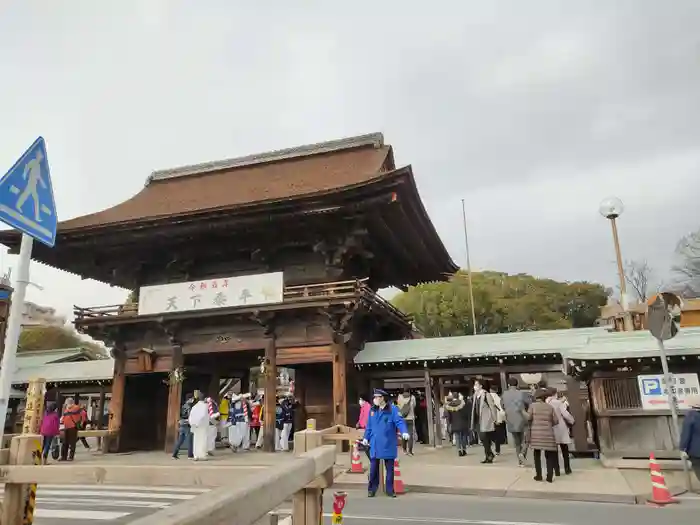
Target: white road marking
point(147, 488)
point(86, 502)
point(440, 520)
point(97, 493)
point(79, 514)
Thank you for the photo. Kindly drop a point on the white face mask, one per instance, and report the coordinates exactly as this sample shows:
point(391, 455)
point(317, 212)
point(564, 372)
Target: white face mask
point(377, 401)
point(362, 402)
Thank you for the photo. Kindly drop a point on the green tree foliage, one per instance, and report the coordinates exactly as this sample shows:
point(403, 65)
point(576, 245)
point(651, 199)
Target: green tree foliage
point(503, 303)
point(34, 338)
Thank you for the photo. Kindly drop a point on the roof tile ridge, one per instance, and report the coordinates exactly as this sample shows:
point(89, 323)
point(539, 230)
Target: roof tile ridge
point(372, 139)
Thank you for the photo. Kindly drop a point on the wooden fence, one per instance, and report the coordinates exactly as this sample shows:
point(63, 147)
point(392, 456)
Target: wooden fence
point(303, 479)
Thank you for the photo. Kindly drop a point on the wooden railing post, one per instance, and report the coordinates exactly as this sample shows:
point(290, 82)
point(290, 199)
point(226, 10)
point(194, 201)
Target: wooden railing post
point(307, 503)
point(15, 499)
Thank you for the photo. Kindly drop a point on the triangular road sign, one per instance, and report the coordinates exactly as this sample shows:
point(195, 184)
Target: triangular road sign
point(26, 195)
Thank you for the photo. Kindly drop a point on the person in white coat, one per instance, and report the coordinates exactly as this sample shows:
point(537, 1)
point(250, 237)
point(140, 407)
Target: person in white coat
point(561, 430)
point(239, 431)
point(199, 423)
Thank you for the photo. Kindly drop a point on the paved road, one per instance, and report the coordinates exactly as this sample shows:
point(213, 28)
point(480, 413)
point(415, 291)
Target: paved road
point(424, 509)
point(113, 505)
point(119, 505)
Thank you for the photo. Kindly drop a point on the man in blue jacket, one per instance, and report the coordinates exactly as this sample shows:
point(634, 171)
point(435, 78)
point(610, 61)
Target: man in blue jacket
point(690, 435)
point(382, 426)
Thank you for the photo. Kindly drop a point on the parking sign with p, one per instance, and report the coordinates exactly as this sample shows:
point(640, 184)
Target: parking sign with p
point(651, 387)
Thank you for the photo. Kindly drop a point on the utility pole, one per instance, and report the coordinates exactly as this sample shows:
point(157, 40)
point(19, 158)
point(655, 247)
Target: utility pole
point(469, 267)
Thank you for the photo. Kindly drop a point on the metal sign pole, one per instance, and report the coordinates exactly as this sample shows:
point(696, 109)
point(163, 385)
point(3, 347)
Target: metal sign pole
point(14, 328)
point(673, 405)
point(670, 396)
point(662, 327)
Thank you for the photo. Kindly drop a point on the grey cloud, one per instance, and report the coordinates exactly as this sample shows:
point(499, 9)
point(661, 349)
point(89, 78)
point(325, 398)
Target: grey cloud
point(532, 111)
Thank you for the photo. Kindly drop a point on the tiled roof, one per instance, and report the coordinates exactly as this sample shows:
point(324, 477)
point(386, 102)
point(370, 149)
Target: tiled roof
point(30, 358)
point(638, 344)
point(100, 370)
point(234, 183)
point(580, 344)
point(487, 345)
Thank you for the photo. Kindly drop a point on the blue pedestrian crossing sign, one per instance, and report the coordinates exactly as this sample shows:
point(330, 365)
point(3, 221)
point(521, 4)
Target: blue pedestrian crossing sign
point(26, 196)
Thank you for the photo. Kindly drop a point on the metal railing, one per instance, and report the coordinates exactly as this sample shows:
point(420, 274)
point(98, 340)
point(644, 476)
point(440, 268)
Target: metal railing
point(351, 290)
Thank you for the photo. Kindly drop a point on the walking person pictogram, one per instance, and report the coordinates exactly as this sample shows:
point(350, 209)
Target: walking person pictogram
point(32, 174)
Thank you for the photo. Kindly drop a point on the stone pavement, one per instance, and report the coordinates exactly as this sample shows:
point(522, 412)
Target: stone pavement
point(437, 470)
point(440, 470)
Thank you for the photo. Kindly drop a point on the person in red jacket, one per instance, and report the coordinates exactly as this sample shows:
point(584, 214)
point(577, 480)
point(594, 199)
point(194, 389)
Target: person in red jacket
point(73, 419)
point(255, 421)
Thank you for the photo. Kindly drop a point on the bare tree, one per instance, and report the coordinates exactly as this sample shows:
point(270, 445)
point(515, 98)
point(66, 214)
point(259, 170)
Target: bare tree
point(638, 275)
point(687, 271)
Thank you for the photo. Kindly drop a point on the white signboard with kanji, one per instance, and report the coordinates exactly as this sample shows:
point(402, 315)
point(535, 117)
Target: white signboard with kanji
point(653, 390)
point(206, 294)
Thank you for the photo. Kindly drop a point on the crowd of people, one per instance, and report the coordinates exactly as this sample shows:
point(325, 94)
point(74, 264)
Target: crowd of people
point(537, 419)
point(237, 422)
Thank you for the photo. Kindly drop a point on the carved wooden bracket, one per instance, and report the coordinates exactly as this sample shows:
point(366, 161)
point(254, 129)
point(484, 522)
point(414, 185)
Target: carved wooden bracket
point(266, 320)
point(171, 330)
point(118, 351)
point(337, 251)
point(340, 320)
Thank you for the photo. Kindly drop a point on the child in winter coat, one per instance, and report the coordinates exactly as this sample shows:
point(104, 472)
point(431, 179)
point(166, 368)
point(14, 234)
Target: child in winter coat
point(50, 430)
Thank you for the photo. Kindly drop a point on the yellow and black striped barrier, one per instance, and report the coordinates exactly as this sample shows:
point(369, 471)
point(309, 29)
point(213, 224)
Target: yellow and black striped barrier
point(31, 500)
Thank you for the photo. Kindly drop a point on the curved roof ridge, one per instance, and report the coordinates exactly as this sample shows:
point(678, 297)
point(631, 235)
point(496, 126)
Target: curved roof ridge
point(375, 140)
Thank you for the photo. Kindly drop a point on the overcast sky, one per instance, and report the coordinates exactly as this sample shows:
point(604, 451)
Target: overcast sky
point(532, 112)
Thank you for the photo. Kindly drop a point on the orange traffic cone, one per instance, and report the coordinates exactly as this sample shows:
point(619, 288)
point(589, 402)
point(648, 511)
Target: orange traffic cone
point(399, 487)
point(660, 495)
point(355, 461)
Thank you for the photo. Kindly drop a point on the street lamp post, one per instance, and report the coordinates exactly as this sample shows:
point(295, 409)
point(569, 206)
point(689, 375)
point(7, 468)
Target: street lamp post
point(611, 208)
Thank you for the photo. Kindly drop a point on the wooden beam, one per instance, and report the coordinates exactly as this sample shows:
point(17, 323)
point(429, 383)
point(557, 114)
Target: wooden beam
point(436, 398)
point(101, 408)
point(417, 373)
point(116, 404)
point(270, 382)
point(579, 431)
point(174, 401)
point(429, 406)
point(300, 376)
point(340, 385)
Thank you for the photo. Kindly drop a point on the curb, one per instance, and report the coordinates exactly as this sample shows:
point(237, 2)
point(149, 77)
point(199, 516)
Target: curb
point(627, 499)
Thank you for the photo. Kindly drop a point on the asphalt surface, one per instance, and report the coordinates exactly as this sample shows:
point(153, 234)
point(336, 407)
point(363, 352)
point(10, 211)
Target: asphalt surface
point(119, 505)
point(104, 504)
point(418, 509)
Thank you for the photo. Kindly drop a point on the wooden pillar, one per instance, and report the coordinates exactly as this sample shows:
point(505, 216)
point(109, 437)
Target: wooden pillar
point(116, 406)
point(215, 384)
point(437, 400)
point(174, 400)
point(504, 379)
point(340, 384)
point(429, 407)
point(15, 496)
point(270, 382)
point(245, 381)
point(101, 408)
point(573, 393)
point(307, 504)
point(300, 396)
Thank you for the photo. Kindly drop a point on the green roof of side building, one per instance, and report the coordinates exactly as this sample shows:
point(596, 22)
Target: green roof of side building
point(577, 343)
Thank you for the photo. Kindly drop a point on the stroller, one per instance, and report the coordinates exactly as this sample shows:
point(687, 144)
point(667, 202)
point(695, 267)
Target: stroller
point(56, 447)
